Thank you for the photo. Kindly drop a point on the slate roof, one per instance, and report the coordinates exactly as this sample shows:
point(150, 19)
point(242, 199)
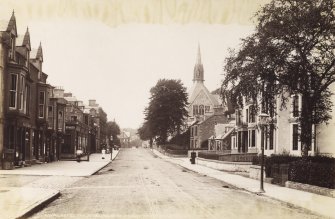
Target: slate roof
point(197, 88)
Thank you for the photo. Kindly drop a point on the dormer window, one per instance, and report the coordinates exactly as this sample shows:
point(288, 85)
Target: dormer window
point(12, 47)
point(27, 58)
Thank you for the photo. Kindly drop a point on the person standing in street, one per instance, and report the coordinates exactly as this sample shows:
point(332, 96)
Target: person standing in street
point(103, 152)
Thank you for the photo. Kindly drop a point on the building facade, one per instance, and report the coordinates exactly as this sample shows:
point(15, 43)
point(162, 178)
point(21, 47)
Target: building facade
point(37, 123)
point(205, 109)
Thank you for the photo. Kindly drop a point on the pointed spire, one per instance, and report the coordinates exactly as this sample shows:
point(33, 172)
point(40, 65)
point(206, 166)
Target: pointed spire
point(12, 24)
point(198, 75)
point(39, 52)
point(199, 55)
point(26, 39)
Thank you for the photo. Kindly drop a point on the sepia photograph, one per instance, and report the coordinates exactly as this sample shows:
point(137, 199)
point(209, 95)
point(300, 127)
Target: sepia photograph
point(145, 109)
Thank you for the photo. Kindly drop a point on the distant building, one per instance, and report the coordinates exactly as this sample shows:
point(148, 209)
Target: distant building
point(205, 109)
point(124, 139)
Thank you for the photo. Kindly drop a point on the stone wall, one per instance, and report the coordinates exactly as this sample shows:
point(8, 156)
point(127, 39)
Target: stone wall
point(226, 166)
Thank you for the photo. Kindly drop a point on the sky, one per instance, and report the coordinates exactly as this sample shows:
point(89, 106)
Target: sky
point(115, 51)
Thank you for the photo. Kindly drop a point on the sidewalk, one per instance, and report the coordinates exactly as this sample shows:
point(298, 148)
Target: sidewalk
point(19, 202)
point(65, 168)
point(319, 204)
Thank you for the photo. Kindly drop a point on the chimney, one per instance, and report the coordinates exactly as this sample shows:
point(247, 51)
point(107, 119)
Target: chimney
point(58, 92)
point(67, 94)
point(92, 103)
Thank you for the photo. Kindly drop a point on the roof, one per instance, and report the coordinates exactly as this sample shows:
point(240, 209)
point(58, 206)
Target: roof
point(12, 24)
point(70, 99)
point(124, 135)
point(196, 90)
point(37, 53)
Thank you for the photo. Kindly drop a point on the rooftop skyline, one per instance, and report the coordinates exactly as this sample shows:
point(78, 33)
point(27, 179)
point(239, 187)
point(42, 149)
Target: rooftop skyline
point(116, 61)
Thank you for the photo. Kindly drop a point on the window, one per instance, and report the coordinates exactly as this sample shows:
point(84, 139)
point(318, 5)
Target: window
point(27, 59)
point(295, 106)
point(191, 131)
point(195, 109)
point(207, 109)
point(246, 115)
point(27, 100)
point(21, 92)
point(238, 117)
point(13, 91)
point(73, 118)
point(12, 45)
point(271, 137)
point(252, 116)
point(41, 104)
point(295, 137)
point(60, 121)
point(195, 130)
point(252, 138)
point(201, 110)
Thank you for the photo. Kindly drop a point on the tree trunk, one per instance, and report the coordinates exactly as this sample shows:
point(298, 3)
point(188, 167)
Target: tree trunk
point(306, 124)
point(150, 142)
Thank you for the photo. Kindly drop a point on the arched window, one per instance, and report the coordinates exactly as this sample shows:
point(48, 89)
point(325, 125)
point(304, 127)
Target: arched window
point(195, 109)
point(201, 110)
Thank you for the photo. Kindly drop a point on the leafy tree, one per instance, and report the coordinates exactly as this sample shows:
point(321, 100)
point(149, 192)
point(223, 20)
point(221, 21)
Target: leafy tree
point(291, 52)
point(145, 133)
point(182, 139)
point(166, 112)
point(113, 130)
point(103, 125)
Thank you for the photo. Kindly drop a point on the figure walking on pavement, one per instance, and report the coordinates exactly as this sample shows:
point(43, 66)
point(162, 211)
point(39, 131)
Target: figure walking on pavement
point(103, 152)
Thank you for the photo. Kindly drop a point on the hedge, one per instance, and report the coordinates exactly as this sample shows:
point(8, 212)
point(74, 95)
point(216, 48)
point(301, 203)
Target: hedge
point(313, 173)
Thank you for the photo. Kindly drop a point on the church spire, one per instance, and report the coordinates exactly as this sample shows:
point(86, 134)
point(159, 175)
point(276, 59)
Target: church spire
point(198, 56)
point(198, 75)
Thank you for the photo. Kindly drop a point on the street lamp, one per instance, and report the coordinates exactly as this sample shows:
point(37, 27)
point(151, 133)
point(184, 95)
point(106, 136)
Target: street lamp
point(262, 122)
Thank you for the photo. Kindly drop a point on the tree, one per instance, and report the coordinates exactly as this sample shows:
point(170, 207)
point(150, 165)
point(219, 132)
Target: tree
point(291, 52)
point(113, 130)
point(103, 125)
point(166, 112)
point(145, 133)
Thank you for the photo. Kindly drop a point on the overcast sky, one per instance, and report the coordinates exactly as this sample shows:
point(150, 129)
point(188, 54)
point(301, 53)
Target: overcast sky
point(115, 51)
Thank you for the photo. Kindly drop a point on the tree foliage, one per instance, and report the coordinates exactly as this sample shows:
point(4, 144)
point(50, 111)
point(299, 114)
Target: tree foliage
point(113, 130)
point(291, 52)
point(166, 112)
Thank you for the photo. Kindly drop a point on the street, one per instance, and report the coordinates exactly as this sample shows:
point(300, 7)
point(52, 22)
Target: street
point(138, 184)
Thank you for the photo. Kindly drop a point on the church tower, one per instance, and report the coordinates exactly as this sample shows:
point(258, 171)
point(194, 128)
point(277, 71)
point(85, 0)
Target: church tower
point(198, 75)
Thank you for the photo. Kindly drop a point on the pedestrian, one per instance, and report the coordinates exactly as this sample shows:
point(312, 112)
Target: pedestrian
point(79, 152)
point(103, 152)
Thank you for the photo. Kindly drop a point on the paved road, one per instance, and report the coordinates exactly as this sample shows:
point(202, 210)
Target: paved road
point(140, 185)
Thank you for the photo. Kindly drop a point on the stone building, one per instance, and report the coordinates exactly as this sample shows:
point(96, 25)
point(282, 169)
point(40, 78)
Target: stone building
point(205, 109)
point(32, 112)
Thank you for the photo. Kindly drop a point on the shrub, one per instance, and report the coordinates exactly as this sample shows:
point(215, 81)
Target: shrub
point(277, 159)
point(318, 171)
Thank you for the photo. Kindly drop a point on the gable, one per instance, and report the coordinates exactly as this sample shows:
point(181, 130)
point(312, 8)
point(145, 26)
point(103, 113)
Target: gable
point(202, 98)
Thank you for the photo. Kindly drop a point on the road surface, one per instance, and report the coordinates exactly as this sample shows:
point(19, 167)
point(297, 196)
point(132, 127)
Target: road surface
point(138, 184)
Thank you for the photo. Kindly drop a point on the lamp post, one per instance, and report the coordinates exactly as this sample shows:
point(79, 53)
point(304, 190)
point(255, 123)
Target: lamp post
point(262, 122)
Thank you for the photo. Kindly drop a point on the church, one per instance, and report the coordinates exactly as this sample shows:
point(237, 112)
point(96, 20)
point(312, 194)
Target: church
point(205, 109)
